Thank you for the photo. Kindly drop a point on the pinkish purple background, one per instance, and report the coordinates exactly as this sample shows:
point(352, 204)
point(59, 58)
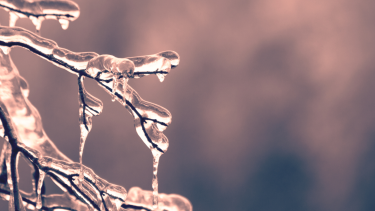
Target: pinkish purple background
point(273, 103)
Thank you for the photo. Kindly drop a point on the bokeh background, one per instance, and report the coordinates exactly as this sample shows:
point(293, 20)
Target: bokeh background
point(272, 104)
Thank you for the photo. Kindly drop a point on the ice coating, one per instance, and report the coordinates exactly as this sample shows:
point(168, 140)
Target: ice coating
point(45, 48)
point(108, 67)
point(39, 10)
point(89, 106)
point(170, 202)
point(159, 64)
point(67, 174)
point(150, 119)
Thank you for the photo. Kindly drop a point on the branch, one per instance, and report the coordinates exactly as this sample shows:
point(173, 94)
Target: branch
point(37, 11)
point(150, 119)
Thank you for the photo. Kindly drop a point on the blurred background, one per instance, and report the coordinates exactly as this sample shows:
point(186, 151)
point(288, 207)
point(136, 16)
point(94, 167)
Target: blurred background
point(272, 103)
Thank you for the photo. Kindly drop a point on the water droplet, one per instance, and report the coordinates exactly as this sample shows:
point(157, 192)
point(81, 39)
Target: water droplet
point(64, 23)
point(42, 175)
point(13, 17)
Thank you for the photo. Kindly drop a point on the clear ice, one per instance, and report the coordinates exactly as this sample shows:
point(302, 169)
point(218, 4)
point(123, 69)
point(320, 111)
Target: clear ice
point(89, 106)
point(155, 185)
point(80, 184)
point(39, 10)
point(168, 202)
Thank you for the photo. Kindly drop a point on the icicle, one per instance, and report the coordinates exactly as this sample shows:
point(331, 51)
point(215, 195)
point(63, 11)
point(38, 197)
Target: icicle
point(160, 76)
point(166, 67)
point(89, 107)
point(37, 21)
point(42, 175)
point(13, 17)
point(64, 23)
point(84, 133)
point(114, 87)
point(5, 49)
point(156, 155)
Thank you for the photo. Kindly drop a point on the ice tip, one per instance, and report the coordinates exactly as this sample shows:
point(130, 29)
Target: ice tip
point(172, 56)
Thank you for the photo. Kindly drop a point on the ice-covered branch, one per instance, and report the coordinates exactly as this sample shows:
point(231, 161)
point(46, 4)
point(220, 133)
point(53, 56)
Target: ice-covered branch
point(81, 185)
point(94, 191)
point(150, 119)
point(61, 10)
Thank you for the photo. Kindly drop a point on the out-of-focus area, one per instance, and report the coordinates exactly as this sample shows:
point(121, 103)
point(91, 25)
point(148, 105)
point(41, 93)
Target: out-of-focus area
point(272, 103)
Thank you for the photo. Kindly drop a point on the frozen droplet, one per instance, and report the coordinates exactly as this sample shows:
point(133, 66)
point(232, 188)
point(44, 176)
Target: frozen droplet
point(13, 17)
point(42, 175)
point(5, 49)
point(64, 23)
point(160, 76)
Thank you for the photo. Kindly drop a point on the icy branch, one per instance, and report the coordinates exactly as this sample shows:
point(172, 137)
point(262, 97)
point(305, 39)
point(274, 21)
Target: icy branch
point(95, 191)
point(37, 11)
point(150, 119)
point(81, 185)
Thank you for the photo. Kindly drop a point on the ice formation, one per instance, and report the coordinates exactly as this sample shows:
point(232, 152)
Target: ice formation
point(37, 11)
point(83, 188)
point(89, 106)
